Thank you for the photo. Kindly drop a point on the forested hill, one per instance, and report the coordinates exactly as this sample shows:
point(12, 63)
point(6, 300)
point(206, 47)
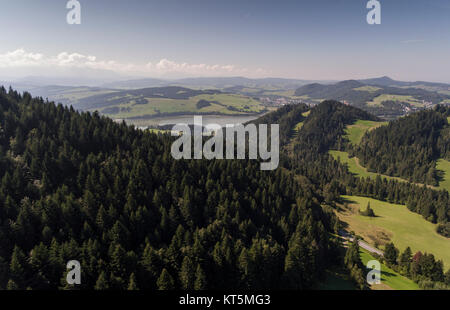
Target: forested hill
point(287, 117)
point(324, 129)
point(325, 125)
point(409, 147)
point(77, 186)
point(387, 101)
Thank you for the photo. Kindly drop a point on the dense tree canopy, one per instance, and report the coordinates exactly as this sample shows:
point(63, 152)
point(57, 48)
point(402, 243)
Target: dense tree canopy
point(408, 147)
point(80, 186)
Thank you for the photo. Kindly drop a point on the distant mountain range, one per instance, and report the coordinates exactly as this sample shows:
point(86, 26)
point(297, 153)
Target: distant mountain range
point(384, 97)
point(387, 81)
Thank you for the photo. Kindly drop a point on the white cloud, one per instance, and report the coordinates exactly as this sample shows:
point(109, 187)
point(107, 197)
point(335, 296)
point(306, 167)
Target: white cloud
point(20, 58)
point(165, 65)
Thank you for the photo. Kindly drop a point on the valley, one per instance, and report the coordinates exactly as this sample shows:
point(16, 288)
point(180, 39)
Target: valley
point(225, 153)
point(302, 206)
point(146, 100)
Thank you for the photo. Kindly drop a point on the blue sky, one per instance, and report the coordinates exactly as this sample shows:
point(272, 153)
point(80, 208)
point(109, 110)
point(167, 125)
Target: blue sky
point(320, 39)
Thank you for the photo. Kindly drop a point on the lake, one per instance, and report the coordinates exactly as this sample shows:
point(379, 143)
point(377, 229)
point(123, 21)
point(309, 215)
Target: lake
point(221, 120)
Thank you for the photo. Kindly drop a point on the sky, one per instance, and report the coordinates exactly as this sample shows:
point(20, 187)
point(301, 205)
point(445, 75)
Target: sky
point(315, 40)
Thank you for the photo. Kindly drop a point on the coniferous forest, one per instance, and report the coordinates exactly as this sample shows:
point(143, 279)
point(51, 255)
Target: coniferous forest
point(79, 186)
point(407, 148)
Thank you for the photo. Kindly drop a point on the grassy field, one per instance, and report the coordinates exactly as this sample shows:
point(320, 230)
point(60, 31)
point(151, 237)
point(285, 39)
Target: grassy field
point(355, 168)
point(298, 127)
point(356, 131)
point(377, 101)
point(396, 223)
point(444, 165)
point(360, 171)
point(389, 277)
point(219, 103)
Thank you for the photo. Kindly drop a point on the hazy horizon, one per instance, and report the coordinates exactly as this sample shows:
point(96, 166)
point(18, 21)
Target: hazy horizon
point(170, 39)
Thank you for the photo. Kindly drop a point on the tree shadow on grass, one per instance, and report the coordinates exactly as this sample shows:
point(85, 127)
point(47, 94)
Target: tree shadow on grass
point(440, 176)
point(344, 200)
point(384, 273)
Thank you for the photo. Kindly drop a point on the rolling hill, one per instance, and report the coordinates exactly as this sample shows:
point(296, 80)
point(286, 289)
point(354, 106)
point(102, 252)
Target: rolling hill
point(402, 208)
point(408, 147)
point(386, 99)
point(171, 100)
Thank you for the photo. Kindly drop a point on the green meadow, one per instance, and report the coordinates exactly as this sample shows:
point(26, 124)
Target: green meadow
point(444, 166)
point(358, 170)
point(389, 277)
point(403, 227)
point(378, 101)
point(298, 126)
point(355, 167)
point(230, 104)
point(355, 132)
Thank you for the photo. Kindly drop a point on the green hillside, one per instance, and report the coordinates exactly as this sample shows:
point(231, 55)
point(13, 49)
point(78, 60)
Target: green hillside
point(79, 186)
point(389, 277)
point(355, 167)
point(229, 104)
point(166, 101)
point(408, 147)
point(444, 166)
point(397, 223)
point(356, 131)
point(387, 101)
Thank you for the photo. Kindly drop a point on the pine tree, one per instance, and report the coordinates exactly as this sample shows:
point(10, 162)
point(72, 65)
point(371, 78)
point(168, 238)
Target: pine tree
point(18, 266)
point(102, 282)
point(12, 286)
point(391, 254)
point(132, 285)
point(187, 275)
point(406, 258)
point(369, 211)
point(200, 279)
point(165, 281)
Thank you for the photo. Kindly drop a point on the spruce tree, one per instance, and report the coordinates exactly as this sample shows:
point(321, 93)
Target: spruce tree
point(187, 274)
point(132, 285)
point(200, 279)
point(102, 282)
point(391, 253)
point(165, 281)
